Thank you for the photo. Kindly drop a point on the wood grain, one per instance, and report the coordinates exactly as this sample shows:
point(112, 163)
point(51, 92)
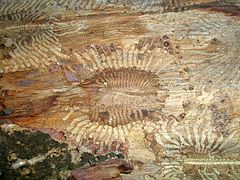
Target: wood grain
point(160, 78)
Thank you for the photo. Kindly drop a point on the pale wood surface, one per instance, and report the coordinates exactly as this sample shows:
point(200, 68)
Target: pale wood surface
point(156, 80)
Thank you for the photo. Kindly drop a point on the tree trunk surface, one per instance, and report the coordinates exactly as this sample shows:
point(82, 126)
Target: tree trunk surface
point(154, 82)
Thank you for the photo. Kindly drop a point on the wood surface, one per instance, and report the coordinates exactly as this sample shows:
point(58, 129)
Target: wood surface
point(158, 80)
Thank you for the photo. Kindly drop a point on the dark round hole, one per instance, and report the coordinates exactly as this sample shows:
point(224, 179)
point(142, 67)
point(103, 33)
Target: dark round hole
point(166, 44)
point(2, 46)
point(165, 37)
